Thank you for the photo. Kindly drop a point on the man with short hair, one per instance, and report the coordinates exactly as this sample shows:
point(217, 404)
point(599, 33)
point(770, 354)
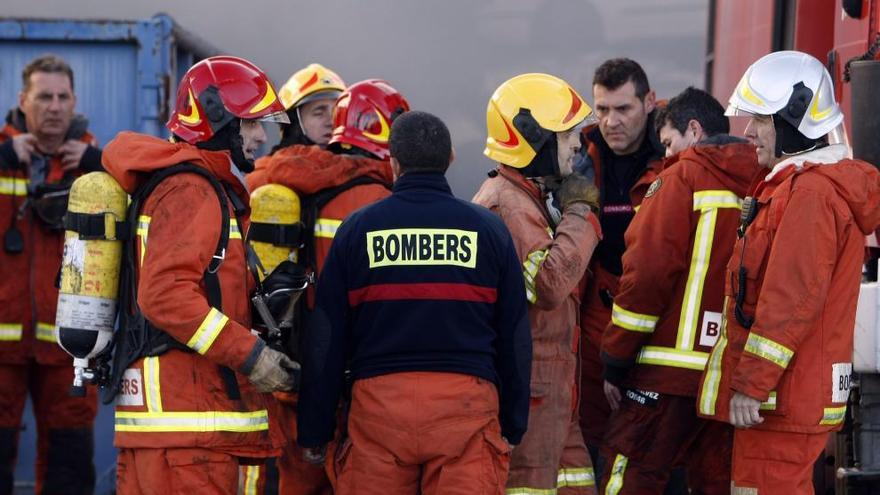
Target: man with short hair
point(624, 159)
point(422, 298)
point(44, 146)
point(666, 313)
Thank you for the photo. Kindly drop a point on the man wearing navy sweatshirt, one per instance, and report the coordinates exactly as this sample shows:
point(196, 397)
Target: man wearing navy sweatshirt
point(422, 298)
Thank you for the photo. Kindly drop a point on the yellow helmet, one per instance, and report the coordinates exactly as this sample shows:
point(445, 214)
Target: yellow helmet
point(525, 111)
point(313, 82)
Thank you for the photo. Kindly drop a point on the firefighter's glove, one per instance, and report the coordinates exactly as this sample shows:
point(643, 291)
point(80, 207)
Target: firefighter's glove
point(578, 189)
point(273, 371)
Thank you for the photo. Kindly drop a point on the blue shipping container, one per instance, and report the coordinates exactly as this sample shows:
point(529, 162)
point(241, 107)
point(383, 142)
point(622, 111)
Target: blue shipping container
point(125, 73)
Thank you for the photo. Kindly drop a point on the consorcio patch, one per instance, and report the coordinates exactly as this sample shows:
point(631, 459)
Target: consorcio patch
point(398, 247)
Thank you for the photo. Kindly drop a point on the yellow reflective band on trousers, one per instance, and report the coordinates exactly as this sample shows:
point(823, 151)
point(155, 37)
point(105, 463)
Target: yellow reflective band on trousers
point(530, 271)
point(833, 415)
point(192, 422)
point(707, 203)
point(10, 332)
point(712, 375)
point(633, 321)
point(522, 490)
point(251, 477)
point(327, 227)
point(208, 331)
point(13, 186)
point(772, 351)
point(574, 477)
point(46, 332)
point(676, 358)
point(770, 404)
point(234, 230)
point(151, 384)
point(615, 482)
point(143, 227)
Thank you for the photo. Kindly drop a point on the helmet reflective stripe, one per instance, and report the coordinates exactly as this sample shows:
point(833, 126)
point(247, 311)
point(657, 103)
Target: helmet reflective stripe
point(793, 85)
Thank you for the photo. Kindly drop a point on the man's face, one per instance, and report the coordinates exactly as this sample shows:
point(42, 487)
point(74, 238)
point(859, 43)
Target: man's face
point(252, 136)
point(568, 145)
point(622, 116)
point(316, 118)
point(761, 132)
point(48, 104)
point(674, 141)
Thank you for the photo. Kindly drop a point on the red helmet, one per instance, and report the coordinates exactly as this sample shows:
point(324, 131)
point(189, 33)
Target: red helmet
point(217, 90)
point(363, 116)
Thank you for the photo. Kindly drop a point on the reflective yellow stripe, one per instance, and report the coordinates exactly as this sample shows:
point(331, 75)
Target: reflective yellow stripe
point(707, 203)
point(633, 321)
point(208, 331)
point(46, 332)
point(765, 348)
point(10, 332)
point(770, 404)
point(152, 388)
point(636, 209)
point(523, 490)
point(716, 199)
point(676, 358)
point(833, 415)
point(615, 483)
point(327, 227)
point(143, 228)
point(234, 231)
point(252, 475)
point(530, 270)
point(575, 477)
point(712, 376)
point(198, 422)
point(11, 186)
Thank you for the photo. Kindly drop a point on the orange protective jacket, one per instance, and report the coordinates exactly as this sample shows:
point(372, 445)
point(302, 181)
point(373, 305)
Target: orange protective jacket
point(801, 261)
point(666, 314)
point(28, 295)
point(308, 170)
point(554, 261)
point(179, 399)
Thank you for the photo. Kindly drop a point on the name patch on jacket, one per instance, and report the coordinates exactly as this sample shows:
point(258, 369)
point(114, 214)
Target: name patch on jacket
point(841, 380)
point(422, 247)
point(643, 397)
point(131, 389)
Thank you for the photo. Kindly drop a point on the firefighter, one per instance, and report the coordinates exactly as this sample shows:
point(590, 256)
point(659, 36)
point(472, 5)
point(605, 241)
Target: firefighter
point(624, 158)
point(781, 369)
point(45, 145)
point(309, 97)
point(196, 403)
point(666, 315)
point(534, 123)
point(423, 296)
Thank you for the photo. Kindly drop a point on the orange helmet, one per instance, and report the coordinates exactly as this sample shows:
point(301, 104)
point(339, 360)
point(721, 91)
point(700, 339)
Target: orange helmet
point(311, 83)
point(363, 116)
point(218, 90)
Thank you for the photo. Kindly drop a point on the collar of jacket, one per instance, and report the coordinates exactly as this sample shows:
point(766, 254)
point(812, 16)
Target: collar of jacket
point(435, 181)
point(15, 120)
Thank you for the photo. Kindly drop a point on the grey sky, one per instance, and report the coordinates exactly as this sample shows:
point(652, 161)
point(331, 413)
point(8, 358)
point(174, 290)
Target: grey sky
point(445, 56)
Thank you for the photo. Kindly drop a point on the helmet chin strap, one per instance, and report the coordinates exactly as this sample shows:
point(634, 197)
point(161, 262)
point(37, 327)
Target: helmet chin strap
point(228, 138)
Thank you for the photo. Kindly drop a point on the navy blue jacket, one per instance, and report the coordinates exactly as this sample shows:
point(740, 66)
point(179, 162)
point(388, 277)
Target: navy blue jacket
point(420, 281)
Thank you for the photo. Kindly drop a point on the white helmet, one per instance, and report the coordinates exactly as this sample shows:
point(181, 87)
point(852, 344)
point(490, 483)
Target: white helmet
point(792, 85)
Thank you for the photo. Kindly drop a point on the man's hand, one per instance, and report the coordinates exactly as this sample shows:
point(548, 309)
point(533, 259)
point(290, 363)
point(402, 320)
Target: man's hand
point(578, 189)
point(24, 146)
point(271, 373)
point(612, 393)
point(71, 153)
point(744, 411)
point(315, 455)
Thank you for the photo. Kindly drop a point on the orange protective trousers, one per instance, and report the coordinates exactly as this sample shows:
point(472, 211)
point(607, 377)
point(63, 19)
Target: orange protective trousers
point(183, 471)
point(767, 462)
point(426, 433)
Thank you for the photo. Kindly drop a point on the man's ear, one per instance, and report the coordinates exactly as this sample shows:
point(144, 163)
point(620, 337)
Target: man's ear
point(21, 97)
point(452, 155)
point(650, 101)
point(697, 128)
point(395, 168)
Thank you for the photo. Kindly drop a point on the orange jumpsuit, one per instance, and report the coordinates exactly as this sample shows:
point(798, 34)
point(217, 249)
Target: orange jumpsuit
point(308, 170)
point(666, 317)
point(552, 454)
point(794, 279)
point(178, 427)
point(30, 359)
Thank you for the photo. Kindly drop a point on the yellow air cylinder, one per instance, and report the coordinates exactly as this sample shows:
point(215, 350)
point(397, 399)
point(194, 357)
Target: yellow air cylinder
point(90, 268)
point(275, 223)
